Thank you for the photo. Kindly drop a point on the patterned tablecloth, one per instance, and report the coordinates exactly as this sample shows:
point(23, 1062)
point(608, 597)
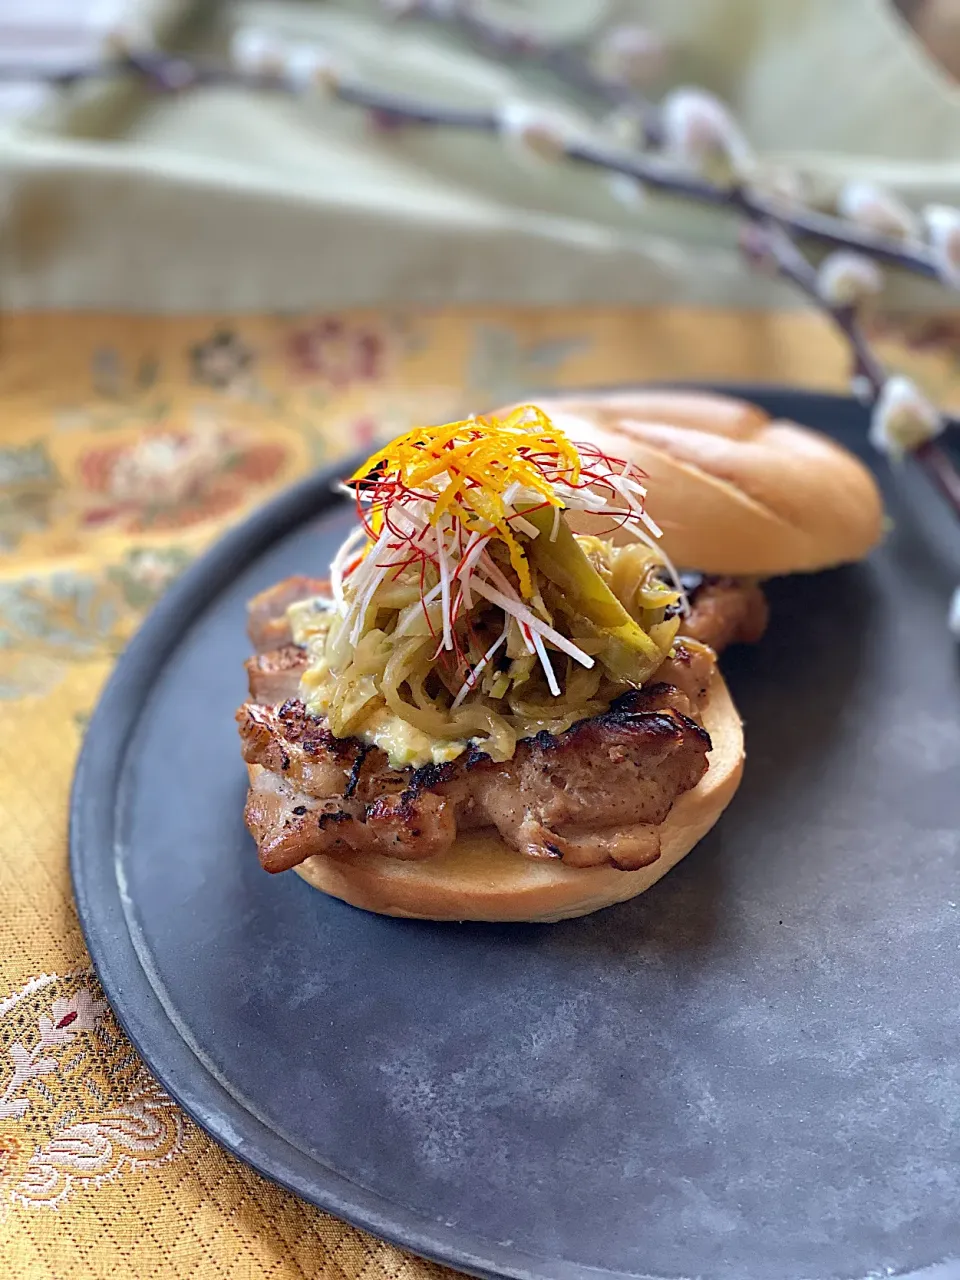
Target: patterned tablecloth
point(126, 445)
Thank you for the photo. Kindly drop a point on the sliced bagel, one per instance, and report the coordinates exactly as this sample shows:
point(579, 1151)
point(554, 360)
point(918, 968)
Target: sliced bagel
point(734, 490)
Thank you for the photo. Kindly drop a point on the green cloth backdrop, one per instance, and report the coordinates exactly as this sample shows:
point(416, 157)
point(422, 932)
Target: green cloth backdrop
point(227, 200)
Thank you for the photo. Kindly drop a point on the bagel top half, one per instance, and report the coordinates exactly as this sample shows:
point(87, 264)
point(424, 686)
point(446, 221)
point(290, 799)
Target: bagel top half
point(734, 490)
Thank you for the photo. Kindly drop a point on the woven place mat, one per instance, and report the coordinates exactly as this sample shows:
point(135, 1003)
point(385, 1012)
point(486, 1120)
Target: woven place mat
point(127, 444)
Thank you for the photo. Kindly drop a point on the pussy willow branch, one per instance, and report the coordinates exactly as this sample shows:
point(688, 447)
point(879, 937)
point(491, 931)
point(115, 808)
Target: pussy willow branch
point(778, 223)
point(790, 263)
point(167, 73)
point(563, 61)
point(573, 69)
point(170, 74)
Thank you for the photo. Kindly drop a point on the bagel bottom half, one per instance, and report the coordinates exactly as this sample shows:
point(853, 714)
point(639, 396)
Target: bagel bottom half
point(483, 879)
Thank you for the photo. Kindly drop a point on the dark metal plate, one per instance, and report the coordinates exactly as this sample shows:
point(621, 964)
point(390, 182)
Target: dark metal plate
point(750, 1072)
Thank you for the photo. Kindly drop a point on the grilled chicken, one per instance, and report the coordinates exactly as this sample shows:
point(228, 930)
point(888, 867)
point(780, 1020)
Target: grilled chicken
point(267, 624)
point(594, 795)
point(725, 611)
point(607, 783)
point(274, 676)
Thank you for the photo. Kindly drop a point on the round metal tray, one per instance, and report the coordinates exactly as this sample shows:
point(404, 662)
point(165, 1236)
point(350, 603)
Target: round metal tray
point(749, 1072)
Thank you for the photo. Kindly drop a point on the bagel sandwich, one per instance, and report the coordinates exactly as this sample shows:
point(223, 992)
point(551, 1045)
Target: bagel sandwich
point(503, 701)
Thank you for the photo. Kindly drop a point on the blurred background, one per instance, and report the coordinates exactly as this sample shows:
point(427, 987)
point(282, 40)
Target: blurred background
point(214, 278)
point(217, 196)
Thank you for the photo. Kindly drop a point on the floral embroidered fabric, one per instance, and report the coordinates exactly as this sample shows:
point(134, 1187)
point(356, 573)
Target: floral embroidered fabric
point(126, 445)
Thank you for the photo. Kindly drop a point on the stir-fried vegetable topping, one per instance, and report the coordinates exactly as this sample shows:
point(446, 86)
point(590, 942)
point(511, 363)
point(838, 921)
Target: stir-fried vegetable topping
point(465, 610)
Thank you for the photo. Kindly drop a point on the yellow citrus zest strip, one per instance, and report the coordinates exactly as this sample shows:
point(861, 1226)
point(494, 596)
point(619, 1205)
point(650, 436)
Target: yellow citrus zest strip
point(481, 459)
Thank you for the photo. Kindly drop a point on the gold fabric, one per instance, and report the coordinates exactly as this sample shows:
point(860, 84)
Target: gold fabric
point(126, 445)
